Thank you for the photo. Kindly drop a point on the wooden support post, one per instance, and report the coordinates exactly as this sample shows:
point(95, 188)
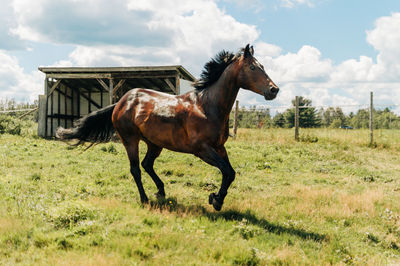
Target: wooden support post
point(52, 114)
point(103, 84)
point(78, 103)
point(101, 97)
point(46, 91)
point(89, 102)
point(72, 107)
point(371, 122)
point(235, 121)
point(42, 121)
point(65, 106)
point(296, 119)
point(177, 85)
point(118, 86)
point(58, 108)
point(111, 90)
point(171, 86)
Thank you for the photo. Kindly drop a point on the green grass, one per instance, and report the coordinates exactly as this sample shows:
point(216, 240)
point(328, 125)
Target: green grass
point(330, 199)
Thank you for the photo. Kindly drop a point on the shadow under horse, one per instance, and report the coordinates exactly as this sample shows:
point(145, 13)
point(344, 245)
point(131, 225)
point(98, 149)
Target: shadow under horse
point(172, 206)
point(196, 122)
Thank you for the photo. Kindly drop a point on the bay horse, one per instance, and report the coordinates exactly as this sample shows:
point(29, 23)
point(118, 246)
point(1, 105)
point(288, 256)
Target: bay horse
point(196, 122)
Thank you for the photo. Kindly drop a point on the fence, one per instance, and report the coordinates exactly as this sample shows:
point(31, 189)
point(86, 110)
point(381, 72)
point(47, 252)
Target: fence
point(303, 114)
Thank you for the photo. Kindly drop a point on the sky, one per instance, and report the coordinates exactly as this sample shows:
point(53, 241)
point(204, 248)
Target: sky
point(333, 52)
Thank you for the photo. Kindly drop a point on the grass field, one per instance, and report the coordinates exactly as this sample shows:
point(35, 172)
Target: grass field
point(329, 199)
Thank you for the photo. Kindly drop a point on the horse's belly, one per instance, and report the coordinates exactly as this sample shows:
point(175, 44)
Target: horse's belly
point(166, 133)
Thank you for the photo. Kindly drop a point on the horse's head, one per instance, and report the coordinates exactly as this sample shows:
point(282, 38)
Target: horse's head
point(252, 76)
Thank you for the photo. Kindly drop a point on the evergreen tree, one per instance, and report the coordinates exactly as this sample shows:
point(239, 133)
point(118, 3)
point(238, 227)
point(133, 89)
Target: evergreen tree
point(308, 117)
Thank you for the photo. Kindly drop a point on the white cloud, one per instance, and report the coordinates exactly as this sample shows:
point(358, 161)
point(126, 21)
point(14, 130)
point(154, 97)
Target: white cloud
point(305, 65)
point(14, 83)
point(130, 32)
point(156, 32)
point(385, 38)
point(293, 3)
point(308, 74)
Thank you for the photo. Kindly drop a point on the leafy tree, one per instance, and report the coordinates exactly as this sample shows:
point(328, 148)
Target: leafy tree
point(278, 120)
point(333, 115)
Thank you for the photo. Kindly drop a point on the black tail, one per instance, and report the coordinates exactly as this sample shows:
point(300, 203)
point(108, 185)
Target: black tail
point(95, 127)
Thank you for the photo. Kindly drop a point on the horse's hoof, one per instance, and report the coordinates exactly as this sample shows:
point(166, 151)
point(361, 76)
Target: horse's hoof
point(212, 200)
point(160, 195)
point(144, 201)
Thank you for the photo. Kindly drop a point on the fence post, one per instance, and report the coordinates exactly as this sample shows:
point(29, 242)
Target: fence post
point(296, 120)
point(371, 123)
point(235, 122)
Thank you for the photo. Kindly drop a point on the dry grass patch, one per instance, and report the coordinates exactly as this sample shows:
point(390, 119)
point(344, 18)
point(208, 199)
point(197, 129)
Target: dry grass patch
point(326, 202)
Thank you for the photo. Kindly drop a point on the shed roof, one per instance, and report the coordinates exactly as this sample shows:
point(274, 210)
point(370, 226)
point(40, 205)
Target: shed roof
point(117, 72)
point(161, 78)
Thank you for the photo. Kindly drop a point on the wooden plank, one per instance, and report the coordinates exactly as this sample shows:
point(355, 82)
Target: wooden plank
point(78, 102)
point(72, 106)
point(63, 116)
point(104, 72)
point(101, 98)
point(27, 113)
point(171, 86)
point(111, 89)
point(62, 93)
point(42, 116)
point(51, 113)
point(90, 100)
point(119, 85)
point(103, 84)
point(79, 75)
point(141, 75)
point(65, 106)
point(108, 69)
point(54, 87)
point(58, 108)
point(46, 91)
point(177, 85)
point(89, 103)
point(109, 75)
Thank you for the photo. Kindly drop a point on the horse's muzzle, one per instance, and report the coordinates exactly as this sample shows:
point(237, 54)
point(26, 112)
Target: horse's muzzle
point(271, 94)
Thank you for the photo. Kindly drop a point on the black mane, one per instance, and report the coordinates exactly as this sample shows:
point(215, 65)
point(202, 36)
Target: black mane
point(213, 69)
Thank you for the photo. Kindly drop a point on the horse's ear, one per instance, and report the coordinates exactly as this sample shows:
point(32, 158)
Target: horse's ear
point(252, 50)
point(247, 52)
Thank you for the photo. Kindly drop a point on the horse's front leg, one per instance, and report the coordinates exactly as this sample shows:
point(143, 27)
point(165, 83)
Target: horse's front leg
point(219, 158)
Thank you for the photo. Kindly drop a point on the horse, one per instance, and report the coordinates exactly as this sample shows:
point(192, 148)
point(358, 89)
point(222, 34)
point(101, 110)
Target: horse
point(196, 122)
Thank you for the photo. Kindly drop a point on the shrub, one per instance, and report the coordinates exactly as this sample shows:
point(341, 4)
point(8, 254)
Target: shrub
point(14, 126)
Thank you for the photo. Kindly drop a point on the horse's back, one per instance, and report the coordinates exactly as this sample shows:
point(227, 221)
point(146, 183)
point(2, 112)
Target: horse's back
point(157, 117)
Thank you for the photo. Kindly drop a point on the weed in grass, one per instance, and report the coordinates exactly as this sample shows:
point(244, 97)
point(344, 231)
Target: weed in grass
point(35, 177)
point(66, 215)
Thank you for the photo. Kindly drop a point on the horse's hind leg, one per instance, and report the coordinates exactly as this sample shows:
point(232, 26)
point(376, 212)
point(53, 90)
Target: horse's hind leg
point(132, 148)
point(153, 152)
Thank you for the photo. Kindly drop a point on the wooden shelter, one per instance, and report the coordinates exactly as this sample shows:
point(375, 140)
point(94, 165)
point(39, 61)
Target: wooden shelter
point(72, 92)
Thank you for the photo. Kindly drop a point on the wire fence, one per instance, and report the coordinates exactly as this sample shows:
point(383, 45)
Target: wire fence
point(301, 114)
point(17, 111)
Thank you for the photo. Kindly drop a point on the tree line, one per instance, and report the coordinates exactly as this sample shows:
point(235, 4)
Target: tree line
point(311, 117)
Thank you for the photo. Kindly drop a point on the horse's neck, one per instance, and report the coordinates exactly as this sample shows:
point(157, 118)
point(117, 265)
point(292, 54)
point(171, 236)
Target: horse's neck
point(220, 96)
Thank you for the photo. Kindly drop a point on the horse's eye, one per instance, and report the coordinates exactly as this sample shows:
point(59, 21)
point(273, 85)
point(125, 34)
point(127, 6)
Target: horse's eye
point(252, 67)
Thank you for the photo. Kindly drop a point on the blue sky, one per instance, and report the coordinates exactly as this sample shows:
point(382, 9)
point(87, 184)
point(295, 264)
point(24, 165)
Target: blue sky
point(331, 51)
point(336, 27)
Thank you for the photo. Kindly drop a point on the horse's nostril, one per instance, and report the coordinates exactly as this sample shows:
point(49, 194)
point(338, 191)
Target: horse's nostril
point(274, 90)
